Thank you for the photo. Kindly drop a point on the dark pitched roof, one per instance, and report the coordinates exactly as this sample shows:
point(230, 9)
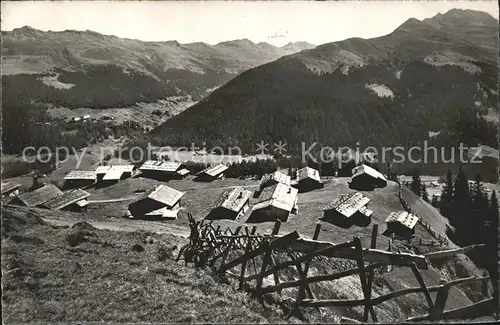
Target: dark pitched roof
point(40, 196)
point(9, 186)
point(67, 198)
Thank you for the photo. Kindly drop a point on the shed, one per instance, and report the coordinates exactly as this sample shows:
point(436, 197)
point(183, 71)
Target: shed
point(274, 178)
point(71, 200)
point(308, 179)
point(79, 178)
point(211, 173)
point(113, 172)
point(37, 197)
point(401, 223)
point(160, 169)
point(350, 209)
point(367, 178)
point(156, 198)
point(232, 204)
point(10, 189)
point(276, 202)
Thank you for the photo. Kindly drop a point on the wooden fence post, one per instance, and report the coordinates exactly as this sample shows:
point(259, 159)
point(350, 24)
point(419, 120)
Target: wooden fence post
point(267, 254)
point(362, 277)
point(303, 276)
point(440, 303)
point(373, 245)
point(244, 264)
point(421, 282)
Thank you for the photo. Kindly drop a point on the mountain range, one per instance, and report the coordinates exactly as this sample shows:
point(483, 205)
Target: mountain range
point(87, 69)
point(435, 75)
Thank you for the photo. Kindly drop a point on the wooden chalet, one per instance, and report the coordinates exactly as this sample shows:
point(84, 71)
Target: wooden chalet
point(232, 204)
point(37, 197)
point(367, 178)
point(277, 202)
point(74, 200)
point(159, 202)
point(79, 178)
point(402, 224)
point(308, 179)
point(162, 170)
point(113, 173)
point(10, 189)
point(350, 209)
point(211, 173)
point(273, 179)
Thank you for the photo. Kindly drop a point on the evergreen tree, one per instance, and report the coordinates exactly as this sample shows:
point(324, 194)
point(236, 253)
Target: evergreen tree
point(461, 211)
point(480, 210)
point(435, 202)
point(446, 196)
point(491, 236)
point(416, 184)
point(424, 194)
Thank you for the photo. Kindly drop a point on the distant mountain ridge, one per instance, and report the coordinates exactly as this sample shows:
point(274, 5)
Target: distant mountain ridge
point(431, 75)
point(89, 69)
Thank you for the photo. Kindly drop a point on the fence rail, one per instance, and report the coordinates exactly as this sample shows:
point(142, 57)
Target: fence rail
point(237, 253)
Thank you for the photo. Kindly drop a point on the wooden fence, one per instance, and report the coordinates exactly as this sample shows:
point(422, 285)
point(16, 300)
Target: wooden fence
point(250, 258)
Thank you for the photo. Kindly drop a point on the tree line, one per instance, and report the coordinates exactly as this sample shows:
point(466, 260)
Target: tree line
point(471, 211)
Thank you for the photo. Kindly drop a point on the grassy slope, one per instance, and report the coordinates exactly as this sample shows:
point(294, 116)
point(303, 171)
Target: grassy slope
point(104, 279)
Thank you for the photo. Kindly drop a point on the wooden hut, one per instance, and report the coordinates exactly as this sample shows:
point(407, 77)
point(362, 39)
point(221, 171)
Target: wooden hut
point(232, 204)
point(273, 179)
point(74, 200)
point(113, 173)
point(211, 173)
point(308, 179)
point(367, 178)
point(401, 223)
point(37, 197)
point(162, 170)
point(276, 202)
point(79, 178)
point(10, 189)
point(350, 209)
point(161, 202)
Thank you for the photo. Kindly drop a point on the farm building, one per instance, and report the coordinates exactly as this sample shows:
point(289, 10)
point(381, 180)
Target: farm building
point(113, 173)
point(232, 204)
point(161, 202)
point(401, 224)
point(308, 179)
point(211, 173)
point(37, 197)
point(367, 178)
point(348, 210)
point(274, 178)
point(72, 200)
point(10, 189)
point(277, 202)
point(79, 178)
point(162, 170)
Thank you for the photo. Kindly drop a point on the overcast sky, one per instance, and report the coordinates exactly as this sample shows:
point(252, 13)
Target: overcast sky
point(274, 22)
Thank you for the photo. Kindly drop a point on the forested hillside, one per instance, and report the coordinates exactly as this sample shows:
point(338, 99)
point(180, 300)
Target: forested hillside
point(391, 90)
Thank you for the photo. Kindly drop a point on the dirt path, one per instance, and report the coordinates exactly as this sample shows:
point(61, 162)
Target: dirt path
point(127, 225)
